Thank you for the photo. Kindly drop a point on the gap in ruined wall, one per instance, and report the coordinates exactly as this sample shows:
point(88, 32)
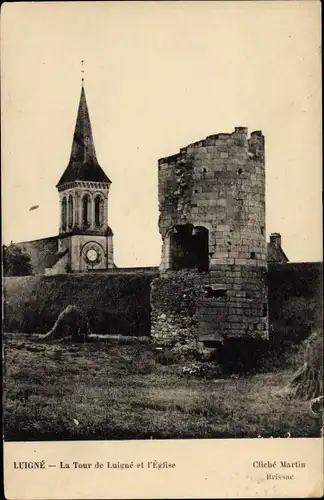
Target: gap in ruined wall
point(188, 248)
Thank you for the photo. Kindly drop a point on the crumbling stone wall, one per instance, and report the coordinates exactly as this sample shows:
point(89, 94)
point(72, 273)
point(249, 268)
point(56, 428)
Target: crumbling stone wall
point(218, 185)
point(173, 308)
point(226, 303)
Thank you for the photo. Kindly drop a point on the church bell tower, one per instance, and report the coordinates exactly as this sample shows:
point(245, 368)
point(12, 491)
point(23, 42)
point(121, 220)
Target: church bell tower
point(85, 238)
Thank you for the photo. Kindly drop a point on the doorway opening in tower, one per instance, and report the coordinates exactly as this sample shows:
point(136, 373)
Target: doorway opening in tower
point(188, 248)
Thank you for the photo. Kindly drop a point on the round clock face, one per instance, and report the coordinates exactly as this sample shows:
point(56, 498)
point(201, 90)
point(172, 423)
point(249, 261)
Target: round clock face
point(92, 255)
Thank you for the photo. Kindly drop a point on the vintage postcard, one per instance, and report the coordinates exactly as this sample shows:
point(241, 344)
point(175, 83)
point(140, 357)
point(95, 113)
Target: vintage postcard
point(162, 255)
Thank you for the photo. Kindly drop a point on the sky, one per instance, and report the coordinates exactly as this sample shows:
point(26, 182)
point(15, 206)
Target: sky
point(158, 76)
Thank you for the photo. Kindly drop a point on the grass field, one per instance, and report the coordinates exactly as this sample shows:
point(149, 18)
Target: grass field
point(106, 391)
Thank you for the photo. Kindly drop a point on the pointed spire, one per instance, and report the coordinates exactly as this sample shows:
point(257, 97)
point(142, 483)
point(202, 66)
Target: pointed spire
point(83, 148)
point(83, 164)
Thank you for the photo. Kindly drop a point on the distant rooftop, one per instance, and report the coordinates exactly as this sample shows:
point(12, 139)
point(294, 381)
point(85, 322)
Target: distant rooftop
point(275, 251)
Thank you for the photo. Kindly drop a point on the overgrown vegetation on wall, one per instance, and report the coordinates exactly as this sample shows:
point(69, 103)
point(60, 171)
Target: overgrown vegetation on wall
point(120, 303)
point(295, 299)
point(295, 313)
point(114, 304)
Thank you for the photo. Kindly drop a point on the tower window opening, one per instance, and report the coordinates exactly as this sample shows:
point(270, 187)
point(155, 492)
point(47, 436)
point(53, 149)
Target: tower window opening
point(188, 248)
point(70, 211)
point(98, 211)
point(262, 230)
point(252, 255)
point(239, 171)
point(64, 213)
point(86, 210)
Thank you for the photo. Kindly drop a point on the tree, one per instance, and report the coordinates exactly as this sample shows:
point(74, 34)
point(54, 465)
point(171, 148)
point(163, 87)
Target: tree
point(16, 262)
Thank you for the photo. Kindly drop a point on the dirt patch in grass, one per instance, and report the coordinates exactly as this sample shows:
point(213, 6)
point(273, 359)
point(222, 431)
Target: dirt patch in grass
point(102, 391)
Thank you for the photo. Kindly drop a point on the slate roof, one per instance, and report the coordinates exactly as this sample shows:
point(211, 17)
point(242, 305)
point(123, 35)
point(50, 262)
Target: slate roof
point(83, 164)
point(43, 253)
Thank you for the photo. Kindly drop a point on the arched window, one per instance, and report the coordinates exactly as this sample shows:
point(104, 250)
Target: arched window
point(99, 203)
point(86, 210)
point(63, 213)
point(70, 211)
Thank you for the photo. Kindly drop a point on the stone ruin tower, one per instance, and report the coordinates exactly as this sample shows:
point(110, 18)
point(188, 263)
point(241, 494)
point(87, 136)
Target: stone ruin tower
point(212, 284)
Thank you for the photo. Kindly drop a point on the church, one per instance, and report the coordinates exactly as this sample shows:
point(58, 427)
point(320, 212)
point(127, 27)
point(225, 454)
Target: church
point(85, 240)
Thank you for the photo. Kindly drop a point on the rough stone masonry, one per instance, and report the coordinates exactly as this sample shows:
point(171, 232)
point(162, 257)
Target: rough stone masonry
point(212, 283)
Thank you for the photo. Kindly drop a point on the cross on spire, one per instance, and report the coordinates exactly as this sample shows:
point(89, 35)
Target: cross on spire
point(82, 73)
